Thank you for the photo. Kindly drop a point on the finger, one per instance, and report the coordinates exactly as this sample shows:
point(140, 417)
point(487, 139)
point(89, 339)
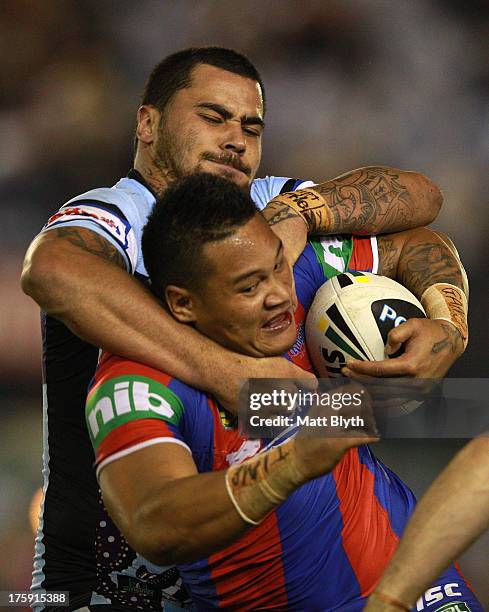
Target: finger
point(309, 383)
point(401, 366)
point(398, 335)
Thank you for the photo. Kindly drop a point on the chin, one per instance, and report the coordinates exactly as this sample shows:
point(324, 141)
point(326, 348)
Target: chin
point(279, 345)
point(235, 176)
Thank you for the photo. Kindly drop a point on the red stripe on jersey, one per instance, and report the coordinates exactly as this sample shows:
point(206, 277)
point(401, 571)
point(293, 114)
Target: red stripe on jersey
point(132, 433)
point(111, 366)
point(459, 570)
point(298, 352)
point(362, 258)
point(366, 535)
point(249, 574)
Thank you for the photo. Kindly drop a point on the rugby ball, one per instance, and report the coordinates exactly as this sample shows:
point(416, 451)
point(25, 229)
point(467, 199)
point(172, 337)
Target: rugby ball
point(350, 317)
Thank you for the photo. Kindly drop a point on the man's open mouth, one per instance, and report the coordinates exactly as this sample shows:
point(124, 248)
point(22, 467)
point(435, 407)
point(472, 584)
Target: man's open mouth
point(279, 323)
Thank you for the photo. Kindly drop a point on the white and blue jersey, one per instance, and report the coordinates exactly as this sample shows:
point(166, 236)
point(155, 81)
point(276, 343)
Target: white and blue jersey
point(119, 213)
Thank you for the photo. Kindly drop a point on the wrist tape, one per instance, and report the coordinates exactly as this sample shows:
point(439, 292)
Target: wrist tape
point(311, 206)
point(449, 303)
point(260, 484)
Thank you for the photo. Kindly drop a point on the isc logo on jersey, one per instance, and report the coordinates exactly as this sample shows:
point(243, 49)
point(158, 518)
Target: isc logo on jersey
point(128, 398)
point(438, 593)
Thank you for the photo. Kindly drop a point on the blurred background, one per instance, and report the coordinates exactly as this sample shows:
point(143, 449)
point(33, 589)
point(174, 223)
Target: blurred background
point(349, 83)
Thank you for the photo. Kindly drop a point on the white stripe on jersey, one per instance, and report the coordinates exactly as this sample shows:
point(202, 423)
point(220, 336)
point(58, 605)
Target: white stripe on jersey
point(375, 254)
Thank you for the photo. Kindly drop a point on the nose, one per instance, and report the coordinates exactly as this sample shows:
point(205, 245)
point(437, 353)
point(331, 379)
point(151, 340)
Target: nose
point(280, 293)
point(234, 138)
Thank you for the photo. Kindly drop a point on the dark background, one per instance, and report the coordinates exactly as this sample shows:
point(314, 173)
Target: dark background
point(349, 83)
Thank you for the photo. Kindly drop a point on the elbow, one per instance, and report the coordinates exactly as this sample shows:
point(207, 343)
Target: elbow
point(157, 539)
point(34, 274)
point(156, 548)
point(427, 196)
point(40, 277)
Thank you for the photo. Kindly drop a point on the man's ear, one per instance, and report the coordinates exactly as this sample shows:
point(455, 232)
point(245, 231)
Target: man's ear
point(148, 121)
point(180, 303)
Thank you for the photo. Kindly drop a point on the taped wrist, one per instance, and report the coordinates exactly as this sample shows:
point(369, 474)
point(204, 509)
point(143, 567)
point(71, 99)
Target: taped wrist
point(311, 206)
point(449, 303)
point(260, 484)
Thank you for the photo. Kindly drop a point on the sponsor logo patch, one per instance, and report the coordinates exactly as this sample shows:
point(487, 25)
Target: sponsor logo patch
point(128, 398)
point(457, 606)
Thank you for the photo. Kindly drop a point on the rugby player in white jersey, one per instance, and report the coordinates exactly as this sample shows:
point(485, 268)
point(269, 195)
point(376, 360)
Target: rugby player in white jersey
point(201, 110)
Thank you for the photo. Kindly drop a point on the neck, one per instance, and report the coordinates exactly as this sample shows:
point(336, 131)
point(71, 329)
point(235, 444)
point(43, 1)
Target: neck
point(156, 178)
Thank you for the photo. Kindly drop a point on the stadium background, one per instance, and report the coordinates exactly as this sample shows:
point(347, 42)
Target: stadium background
point(349, 83)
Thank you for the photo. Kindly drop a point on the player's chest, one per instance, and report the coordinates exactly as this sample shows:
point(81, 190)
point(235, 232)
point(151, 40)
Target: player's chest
point(217, 443)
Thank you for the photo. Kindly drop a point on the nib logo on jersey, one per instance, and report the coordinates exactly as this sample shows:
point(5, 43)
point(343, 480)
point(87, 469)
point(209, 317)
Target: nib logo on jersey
point(126, 399)
point(390, 313)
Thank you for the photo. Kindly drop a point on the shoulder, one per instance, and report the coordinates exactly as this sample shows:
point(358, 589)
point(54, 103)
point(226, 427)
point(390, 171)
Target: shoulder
point(125, 393)
point(116, 213)
point(265, 189)
point(114, 373)
point(127, 198)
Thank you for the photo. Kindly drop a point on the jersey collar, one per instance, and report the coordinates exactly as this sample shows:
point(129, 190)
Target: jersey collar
point(135, 175)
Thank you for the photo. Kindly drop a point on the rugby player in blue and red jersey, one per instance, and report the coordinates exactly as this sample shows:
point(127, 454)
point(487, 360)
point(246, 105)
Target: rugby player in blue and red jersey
point(302, 525)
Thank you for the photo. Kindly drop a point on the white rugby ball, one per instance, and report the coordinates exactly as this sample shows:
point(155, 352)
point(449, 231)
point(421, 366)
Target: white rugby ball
point(351, 316)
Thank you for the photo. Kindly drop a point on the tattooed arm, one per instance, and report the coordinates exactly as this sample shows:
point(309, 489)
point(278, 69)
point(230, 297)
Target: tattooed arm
point(77, 276)
point(419, 259)
point(371, 200)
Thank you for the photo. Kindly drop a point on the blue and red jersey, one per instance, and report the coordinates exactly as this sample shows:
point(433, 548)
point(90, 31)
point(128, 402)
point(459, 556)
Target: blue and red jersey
point(326, 546)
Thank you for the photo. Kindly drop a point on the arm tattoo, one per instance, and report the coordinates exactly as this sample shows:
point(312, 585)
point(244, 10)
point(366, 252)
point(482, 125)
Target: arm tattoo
point(91, 242)
point(423, 265)
point(367, 201)
point(452, 340)
point(276, 211)
point(388, 256)
point(418, 266)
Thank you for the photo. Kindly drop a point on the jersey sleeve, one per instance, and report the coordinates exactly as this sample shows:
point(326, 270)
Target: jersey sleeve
point(106, 213)
point(265, 189)
point(131, 407)
point(365, 255)
point(328, 256)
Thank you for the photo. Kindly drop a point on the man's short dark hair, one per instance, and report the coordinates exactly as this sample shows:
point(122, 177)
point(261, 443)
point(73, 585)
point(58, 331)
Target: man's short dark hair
point(174, 72)
point(192, 212)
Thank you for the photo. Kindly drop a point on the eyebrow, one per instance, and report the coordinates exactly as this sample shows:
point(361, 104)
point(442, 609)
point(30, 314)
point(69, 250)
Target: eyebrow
point(246, 275)
point(226, 114)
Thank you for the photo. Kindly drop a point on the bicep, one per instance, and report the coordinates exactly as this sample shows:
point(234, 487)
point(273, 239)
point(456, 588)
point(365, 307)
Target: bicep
point(76, 238)
point(131, 481)
point(419, 258)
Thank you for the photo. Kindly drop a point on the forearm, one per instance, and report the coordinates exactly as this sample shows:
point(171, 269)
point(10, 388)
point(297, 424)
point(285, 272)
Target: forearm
point(371, 200)
point(104, 305)
point(425, 264)
point(188, 519)
point(191, 517)
point(441, 527)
